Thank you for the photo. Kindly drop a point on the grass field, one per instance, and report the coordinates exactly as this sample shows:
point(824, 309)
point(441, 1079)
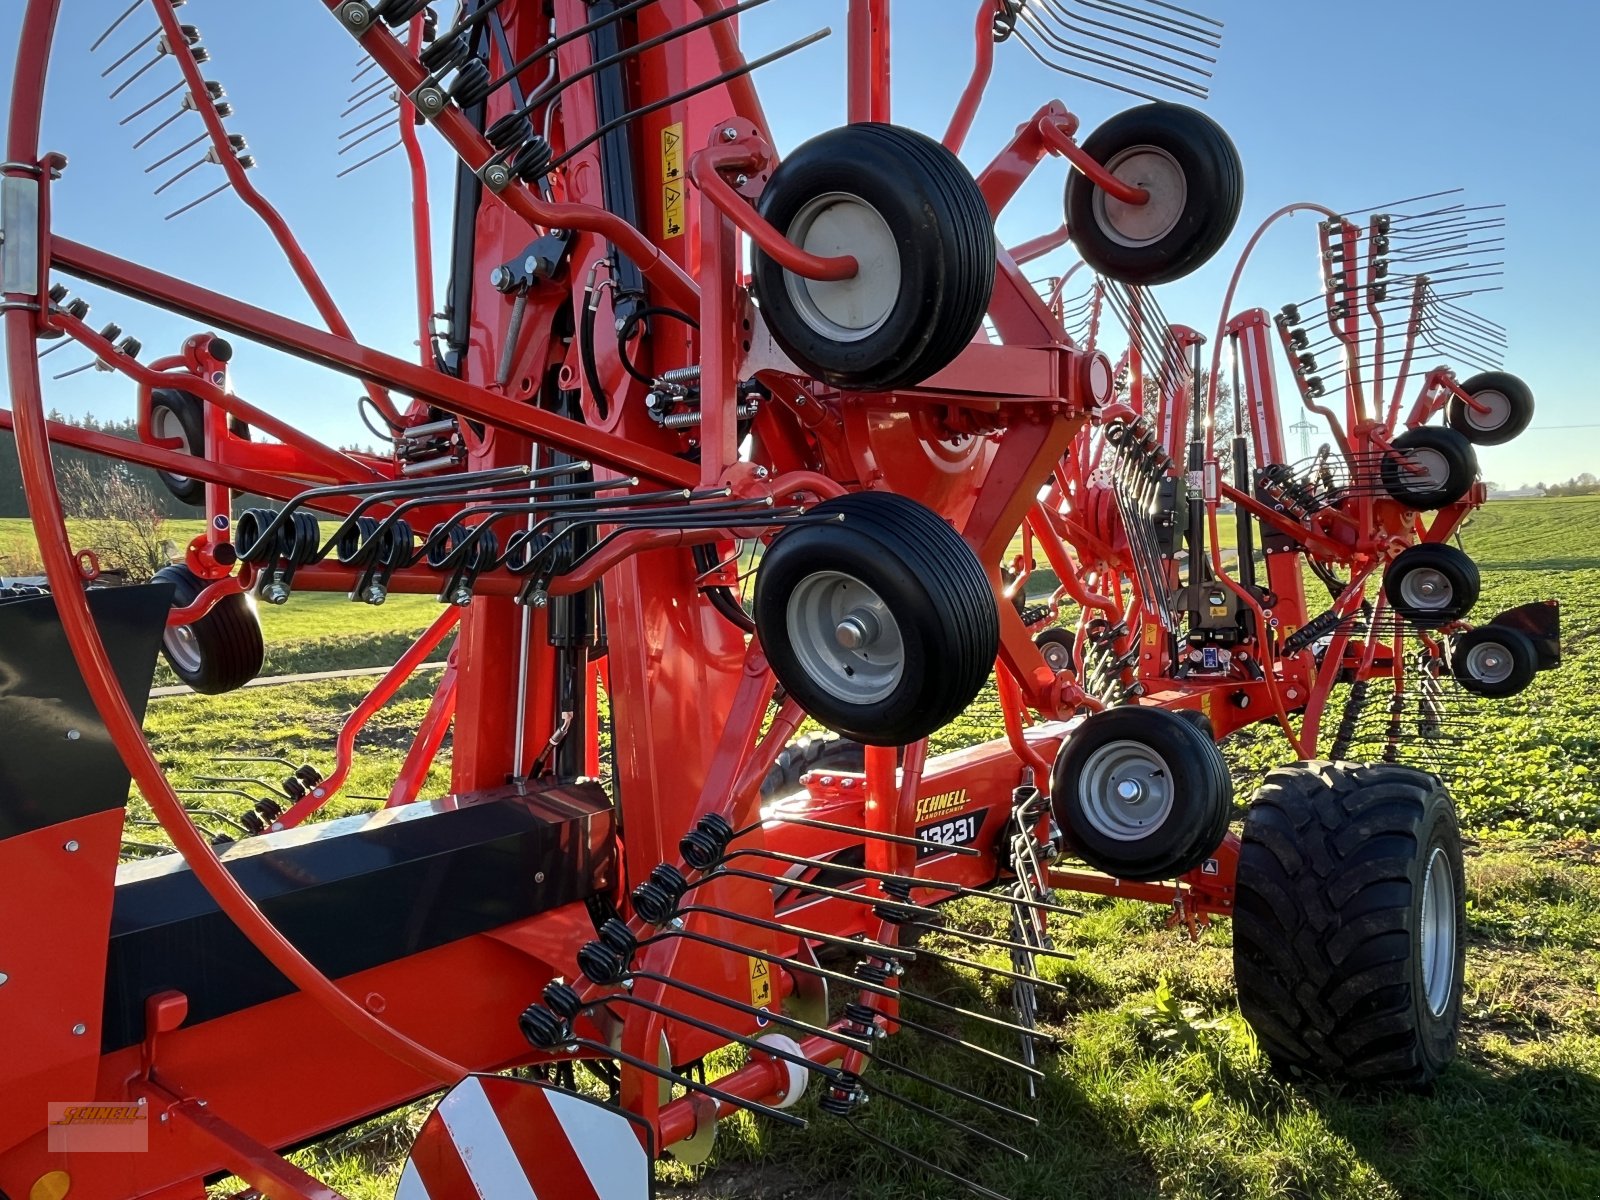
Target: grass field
point(1159, 1089)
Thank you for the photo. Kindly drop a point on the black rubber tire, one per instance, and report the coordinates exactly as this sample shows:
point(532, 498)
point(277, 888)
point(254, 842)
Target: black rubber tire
point(189, 412)
point(1459, 571)
point(1057, 642)
point(1327, 921)
point(1485, 429)
point(1202, 799)
point(1425, 495)
point(224, 648)
point(929, 581)
point(944, 234)
point(815, 752)
point(1213, 177)
point(1521, 657)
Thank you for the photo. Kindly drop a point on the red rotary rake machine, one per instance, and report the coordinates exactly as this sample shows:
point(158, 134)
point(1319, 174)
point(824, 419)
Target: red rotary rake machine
point(617, 419)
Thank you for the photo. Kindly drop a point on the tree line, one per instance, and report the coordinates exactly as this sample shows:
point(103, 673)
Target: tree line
point(13, 501)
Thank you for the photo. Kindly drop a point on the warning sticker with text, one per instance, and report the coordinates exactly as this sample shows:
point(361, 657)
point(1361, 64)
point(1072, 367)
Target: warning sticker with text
point(672, 181)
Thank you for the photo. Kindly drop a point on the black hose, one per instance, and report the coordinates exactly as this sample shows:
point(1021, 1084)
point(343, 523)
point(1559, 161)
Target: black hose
point(625, 335)
point(591, 369)
point(722, 598)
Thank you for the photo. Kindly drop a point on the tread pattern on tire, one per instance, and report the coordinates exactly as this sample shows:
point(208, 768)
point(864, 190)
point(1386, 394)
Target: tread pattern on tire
point(951, 588)
point(1107, 139)
point(969, 236)
point(813, 752)
point(231, 632)
point(1322, 931)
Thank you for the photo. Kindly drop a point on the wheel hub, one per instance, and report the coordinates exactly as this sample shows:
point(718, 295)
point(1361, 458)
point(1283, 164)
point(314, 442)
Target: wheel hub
point(1166, 189)
point(165, 425)
point(845, 637)
point(1426, 470)
point(859, 629)
point(1125, 791)
point(1489, 663)
point(182, 647)
point(845, 310)
point(1497, 411)
point(1427, 589)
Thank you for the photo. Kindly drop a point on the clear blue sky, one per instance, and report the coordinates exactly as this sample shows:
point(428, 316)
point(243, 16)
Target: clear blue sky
point(1424, 95)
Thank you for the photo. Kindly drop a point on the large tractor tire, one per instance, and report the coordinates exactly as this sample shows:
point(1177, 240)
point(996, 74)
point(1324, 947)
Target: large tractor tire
point(1349, 938)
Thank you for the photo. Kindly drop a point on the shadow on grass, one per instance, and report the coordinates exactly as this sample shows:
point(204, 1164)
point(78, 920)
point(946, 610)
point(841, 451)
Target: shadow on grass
point(1492, 1127)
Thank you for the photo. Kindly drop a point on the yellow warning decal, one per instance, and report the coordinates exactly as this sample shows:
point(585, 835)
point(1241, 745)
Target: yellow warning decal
point(1205, 703)
point(760, 983)
point(672, 181)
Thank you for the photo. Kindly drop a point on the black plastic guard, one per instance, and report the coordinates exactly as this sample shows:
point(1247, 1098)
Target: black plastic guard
point(58, 763)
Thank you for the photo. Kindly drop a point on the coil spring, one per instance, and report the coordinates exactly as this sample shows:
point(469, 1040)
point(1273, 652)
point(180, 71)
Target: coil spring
point(869, 971)
point(704, 845)
point(396, 13)
point(472, 83)
point(1351, 718)
point(844, 1094)
point(446, 54)
point(562, 999)
point(543, 1028)
point(296, 541)
point(368, 541)
point(1319, 626)
point(601, 964)
point(619, 937)
point(657, 898)
point(482, 550)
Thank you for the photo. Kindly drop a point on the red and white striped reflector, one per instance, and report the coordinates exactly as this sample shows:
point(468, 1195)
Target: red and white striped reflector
point(493, 1138)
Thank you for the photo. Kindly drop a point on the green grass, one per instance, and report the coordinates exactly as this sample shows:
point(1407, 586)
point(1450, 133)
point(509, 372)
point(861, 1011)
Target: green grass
point(1159, 1089)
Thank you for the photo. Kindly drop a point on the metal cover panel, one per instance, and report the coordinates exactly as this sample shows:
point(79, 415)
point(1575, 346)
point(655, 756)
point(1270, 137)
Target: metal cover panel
point(352, 894)
point(58, 762)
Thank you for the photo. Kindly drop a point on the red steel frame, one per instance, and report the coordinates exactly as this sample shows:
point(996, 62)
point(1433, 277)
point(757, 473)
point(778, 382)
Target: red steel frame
point(689, 697)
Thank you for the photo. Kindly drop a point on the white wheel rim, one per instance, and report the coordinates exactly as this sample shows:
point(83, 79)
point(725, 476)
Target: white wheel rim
point(1125, 791)
point(1436, 939)
point(848, 310)
point(1427, 590)
point(183, 648)
point(1499, 406)
point(1490, 662)
point(164, 424)
point(847, 640)
point(1158, 173)
point(1434, 473)
point(1057, 656)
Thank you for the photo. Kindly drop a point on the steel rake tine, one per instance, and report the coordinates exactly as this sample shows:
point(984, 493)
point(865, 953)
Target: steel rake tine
point(976, 1189)
point(955, 960)
point(1066, 19)
point(953, 889)
point(777, 1018)
point(371, 158)
point(950, 1039)
point(394, 125)
point(878, 949)
point(1061, 68)
point(152, 36)
point(943, 1118)
point(894, 839)
point(112, 28)
point(752, 1044)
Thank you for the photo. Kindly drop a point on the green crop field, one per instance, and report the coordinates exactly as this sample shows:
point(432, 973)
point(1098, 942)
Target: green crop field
point(1158, 1088)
